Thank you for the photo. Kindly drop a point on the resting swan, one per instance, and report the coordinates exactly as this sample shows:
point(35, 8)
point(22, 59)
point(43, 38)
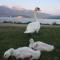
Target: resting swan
point(22, 53)
point(38, 45)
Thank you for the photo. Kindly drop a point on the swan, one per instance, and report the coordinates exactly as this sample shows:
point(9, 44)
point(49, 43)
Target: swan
point(33, 26)
point(38, 45)
point(22, 52)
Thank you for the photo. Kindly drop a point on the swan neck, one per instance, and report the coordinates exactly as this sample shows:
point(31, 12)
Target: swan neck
point(35, 15)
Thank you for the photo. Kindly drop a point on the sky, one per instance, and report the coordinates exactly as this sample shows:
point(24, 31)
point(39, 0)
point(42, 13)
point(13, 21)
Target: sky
point(47, 6)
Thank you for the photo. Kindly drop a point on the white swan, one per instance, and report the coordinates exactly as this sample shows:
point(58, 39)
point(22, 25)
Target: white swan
point(40, 46)
point(22, 52)
point(33, 26)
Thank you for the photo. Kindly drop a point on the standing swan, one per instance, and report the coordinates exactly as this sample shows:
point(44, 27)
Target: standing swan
point(33, 26)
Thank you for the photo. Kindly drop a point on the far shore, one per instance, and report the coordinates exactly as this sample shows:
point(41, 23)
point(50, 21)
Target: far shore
point(24, 25)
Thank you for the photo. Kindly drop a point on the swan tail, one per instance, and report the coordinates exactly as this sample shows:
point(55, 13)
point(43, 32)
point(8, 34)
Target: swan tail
point(27, 32)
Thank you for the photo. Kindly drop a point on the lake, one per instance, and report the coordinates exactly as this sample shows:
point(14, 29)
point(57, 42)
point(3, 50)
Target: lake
point(25, 20)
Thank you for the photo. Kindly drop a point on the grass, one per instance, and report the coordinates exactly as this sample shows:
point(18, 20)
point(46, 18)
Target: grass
point(14, 37)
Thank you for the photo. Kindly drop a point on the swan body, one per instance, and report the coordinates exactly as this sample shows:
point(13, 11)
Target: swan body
point(33, 27)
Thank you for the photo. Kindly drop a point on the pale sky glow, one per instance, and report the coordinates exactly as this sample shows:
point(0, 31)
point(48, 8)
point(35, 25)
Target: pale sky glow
point(48, 6)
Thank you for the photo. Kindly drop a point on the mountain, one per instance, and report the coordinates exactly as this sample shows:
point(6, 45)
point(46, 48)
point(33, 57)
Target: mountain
point(55, 17)
point(5, 11)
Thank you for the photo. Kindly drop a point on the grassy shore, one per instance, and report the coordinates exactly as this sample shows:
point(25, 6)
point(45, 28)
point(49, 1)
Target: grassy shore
point(14, 37)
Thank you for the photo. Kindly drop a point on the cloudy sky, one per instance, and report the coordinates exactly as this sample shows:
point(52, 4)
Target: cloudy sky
point(47, 6)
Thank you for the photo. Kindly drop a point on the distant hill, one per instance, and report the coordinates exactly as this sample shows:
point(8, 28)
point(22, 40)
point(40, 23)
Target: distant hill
point(5, 11)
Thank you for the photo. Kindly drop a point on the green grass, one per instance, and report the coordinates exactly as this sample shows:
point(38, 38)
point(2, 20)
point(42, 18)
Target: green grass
point(14, 37)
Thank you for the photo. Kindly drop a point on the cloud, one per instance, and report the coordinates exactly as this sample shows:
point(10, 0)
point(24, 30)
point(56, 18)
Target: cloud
point(16, 6)
point(51, 10)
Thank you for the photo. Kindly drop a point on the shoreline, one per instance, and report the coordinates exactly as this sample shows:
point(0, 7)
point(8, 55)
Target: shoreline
point(24, 25)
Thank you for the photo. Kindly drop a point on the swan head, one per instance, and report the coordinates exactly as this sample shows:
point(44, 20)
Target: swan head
point(37, 9)
point(31, 40)
point(8, 53)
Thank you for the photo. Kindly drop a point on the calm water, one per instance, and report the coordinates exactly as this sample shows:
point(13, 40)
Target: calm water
point(24, 20)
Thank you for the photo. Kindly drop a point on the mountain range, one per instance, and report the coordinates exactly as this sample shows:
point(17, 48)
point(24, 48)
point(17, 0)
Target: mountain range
point(6, 11)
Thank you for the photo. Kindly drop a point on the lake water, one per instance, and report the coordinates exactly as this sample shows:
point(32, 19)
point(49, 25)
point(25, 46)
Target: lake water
point(25, 20)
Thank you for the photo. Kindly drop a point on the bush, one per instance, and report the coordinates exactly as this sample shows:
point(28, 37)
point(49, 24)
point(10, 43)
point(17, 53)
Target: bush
point(54, 23)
